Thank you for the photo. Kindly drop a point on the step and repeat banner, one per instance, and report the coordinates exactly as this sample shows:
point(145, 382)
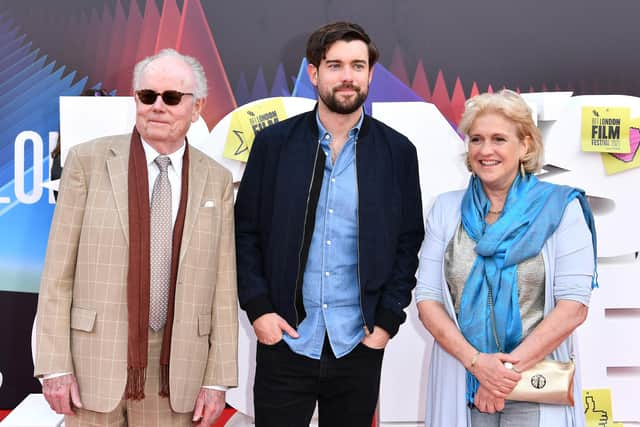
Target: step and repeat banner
point(571, 56)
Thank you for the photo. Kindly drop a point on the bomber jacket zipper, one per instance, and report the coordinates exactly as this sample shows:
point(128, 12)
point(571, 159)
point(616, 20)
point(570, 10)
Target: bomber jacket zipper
point(355, 160)
point(304, 230)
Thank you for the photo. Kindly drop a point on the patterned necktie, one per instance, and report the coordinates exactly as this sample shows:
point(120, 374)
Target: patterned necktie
point(161, 236)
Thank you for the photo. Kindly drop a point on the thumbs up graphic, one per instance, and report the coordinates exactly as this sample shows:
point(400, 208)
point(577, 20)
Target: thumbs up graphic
point(592, 413)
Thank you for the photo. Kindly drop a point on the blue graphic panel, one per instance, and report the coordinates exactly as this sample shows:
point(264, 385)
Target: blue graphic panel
point(303, 87)
point(280, 86)
point(259, 90)
point(29, 111)
point(241, 90)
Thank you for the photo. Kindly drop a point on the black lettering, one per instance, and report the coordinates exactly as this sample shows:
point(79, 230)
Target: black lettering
point(614, 132)
point(242, 146)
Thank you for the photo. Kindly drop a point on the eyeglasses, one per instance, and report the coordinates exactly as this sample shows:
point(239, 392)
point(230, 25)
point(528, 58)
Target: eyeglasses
point(169, 97)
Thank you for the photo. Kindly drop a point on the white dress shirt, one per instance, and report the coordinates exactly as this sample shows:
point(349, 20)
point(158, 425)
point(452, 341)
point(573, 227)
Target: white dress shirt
point(174, 172)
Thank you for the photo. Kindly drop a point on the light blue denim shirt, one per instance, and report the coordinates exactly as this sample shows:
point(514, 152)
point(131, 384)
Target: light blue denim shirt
point(330, 290)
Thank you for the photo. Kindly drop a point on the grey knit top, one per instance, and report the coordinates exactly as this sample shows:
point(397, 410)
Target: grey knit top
point(458, 260)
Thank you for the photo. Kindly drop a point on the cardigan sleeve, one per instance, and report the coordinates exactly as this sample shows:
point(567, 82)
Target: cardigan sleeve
point(429, 286)
point(573, 258)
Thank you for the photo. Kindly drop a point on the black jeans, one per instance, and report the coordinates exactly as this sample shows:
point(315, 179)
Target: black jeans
point(287, 386)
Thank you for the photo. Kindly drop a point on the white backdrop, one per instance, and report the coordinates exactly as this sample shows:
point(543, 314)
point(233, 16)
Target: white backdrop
point(608, 345)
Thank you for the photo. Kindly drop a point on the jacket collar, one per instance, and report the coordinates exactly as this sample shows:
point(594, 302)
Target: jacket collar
point(313, 125)
point(117, 165)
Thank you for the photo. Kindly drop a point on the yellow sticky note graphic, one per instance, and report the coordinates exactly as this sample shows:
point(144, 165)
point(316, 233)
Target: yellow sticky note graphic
point(615, 163)
point(597, 407)
point(605, 129)
point(246, 122)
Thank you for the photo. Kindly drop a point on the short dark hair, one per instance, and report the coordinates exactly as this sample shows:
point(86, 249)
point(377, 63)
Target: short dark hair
point(322, 39)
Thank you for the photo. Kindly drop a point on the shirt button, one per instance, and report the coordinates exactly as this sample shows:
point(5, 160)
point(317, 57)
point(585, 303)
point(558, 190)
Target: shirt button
point(333, 180)
point(328, 242)
point(326, 273)
point(325, 306)
point(327, 136)
point(330, 211)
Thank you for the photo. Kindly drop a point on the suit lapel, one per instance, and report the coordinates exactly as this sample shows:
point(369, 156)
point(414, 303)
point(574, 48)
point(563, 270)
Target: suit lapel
point(118, 166)
point(197, 179)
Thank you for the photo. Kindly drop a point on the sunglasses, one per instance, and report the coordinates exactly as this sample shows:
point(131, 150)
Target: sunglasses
point(169, 97)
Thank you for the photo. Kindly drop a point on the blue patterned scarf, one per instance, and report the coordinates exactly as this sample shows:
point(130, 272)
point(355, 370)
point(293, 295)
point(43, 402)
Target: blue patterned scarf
point(532, 212)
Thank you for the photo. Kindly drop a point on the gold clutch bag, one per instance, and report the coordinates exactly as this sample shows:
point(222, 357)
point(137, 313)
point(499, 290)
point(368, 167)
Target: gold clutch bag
point(549, 381)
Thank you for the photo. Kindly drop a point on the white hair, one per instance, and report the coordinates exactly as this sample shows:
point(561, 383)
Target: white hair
point(200, 88)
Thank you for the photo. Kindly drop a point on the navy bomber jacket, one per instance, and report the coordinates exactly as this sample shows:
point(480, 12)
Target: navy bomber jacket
point(275, 215)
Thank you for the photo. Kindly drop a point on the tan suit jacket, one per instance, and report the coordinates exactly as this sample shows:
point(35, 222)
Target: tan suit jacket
point(82, 307)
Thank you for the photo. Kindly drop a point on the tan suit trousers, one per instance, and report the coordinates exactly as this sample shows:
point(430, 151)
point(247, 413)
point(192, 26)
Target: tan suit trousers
point(151, 411)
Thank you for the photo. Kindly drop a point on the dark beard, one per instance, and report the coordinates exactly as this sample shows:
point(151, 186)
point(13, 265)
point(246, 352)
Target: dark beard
point(351, 106)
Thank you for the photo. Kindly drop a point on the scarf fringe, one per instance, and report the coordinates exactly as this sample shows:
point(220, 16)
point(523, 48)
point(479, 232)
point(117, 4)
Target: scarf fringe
point(164, 381)
point(135, 383)
point(472, 389)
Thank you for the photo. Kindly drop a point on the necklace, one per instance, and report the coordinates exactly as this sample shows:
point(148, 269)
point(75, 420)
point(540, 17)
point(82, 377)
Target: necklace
point(495, 212)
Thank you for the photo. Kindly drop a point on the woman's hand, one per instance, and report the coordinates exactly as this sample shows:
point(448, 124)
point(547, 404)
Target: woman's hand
point(493, 376)
point(487, 402)
point(556, 326)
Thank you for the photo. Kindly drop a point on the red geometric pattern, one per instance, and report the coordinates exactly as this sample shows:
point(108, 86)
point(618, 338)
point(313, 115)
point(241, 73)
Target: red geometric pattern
point(397, 66)
point(451, 106)
point(195, 38)
point(421, 83)
point(114, 41)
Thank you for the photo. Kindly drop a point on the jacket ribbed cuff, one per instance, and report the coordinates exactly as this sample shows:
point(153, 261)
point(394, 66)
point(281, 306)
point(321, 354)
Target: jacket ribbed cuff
point(258, 306)
point(388, 321)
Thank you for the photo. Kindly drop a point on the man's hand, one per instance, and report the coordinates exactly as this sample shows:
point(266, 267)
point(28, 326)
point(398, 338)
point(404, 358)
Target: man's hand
point(486, 402)
point(378, 339)
point(269, 328)
point(493, 376)
point(209, 406)
point(61, 392)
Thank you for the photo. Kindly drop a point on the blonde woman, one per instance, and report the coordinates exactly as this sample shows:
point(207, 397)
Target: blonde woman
point(509, 248)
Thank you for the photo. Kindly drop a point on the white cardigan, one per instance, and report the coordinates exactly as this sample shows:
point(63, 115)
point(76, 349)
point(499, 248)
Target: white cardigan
point(569, 265)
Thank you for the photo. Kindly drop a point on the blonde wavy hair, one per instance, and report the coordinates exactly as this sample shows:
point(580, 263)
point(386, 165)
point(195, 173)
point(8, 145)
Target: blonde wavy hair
point(510, 105)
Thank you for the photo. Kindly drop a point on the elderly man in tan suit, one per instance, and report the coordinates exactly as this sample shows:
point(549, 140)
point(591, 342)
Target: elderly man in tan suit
point(137, 317)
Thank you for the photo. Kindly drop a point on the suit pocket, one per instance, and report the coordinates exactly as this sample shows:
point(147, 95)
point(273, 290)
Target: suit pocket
point(83, 319)
point(205, 214)
point(204, 324)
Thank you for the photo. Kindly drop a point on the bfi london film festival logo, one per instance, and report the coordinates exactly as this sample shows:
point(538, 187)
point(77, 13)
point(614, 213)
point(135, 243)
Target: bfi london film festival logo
point(538, 381)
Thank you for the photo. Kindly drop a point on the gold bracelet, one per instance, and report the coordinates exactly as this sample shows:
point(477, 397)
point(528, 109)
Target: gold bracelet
point(474, 359)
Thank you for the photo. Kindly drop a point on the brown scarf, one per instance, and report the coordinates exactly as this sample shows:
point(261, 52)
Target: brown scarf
point(138, 278)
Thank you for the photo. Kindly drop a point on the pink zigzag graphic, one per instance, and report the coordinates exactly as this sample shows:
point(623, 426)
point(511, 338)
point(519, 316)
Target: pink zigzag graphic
point(195, 38)
point(421, 83)
point(114, 42)
point(397, 66)
point(450, 106)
